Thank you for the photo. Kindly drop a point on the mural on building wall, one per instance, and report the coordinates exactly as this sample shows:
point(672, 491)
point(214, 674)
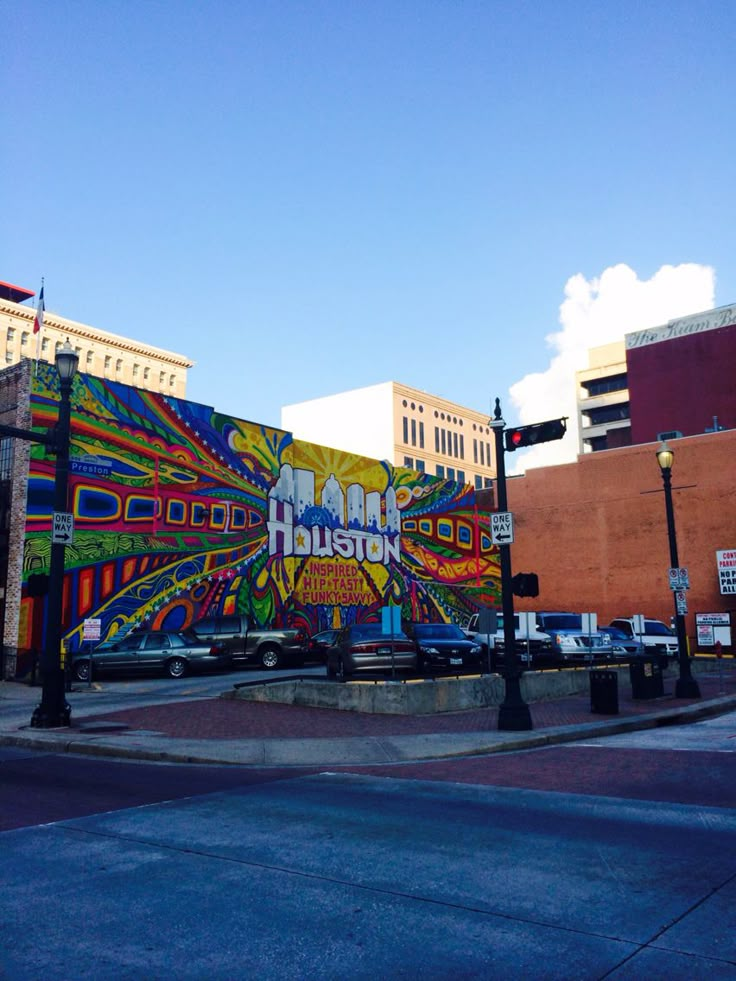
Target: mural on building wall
point(181, 512)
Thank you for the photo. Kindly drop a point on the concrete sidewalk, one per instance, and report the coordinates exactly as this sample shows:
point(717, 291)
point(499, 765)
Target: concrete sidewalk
point(227, 731)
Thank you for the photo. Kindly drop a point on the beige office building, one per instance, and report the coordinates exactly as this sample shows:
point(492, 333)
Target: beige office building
point(101, 354)
point(403, 425)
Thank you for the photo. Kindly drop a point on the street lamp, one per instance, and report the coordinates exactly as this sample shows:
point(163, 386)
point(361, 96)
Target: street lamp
point(513, 713)
point(686, 686)
point(54, 710)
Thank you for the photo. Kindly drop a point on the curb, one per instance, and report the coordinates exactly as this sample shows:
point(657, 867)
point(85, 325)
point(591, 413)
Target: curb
point(354, 751)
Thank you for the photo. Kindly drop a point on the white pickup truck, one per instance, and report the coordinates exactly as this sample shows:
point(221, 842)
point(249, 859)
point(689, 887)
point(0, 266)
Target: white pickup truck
point(532, 646)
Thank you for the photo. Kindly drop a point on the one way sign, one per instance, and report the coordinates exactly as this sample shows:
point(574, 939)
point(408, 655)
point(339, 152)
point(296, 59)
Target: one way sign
point(502, 528)
point(62, 530)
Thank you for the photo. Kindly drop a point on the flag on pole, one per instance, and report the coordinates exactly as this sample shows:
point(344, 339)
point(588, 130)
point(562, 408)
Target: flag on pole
point(38, 322)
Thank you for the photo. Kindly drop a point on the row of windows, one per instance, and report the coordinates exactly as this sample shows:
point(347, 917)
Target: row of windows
point(608, 413)
point(406, 426)
point(450, 473)
point(482, 453)
point(455, 420)
point(87, 363)
point(599, 386)
point(448, 443)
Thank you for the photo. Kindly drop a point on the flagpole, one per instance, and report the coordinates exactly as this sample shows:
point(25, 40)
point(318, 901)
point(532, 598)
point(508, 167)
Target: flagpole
point(37, 326)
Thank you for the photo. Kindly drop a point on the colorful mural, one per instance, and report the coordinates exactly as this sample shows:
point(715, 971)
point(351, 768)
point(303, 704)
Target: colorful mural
point(180, 512)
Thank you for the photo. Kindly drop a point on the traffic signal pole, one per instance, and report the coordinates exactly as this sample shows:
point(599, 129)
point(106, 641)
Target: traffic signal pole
point(513, 713)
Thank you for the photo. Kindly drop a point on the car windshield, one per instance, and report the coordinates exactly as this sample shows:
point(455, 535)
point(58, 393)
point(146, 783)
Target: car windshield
point(441, 631)
point(614, 633)
point(657, 629)
point(372, 631)
point(562, 621)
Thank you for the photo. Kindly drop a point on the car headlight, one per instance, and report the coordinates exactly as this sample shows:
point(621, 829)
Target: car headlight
point(475, 650)
point(429, 650)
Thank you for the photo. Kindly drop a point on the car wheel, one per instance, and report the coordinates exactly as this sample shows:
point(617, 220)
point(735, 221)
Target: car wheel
point(176, 667)
point(81, 670)
point(270, 656)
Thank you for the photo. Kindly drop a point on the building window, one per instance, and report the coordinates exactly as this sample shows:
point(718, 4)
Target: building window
point(440, 470)
point(608, 413)
point(146, 374)
point(90, 358)
point(419, 465)
point(443, 436)
point(478, 482)
point(409, 462)
point(475, 451)
point(136, 369)
point(454, 445)
point(44, 345)
point(488, 454)
point(421, 434)
point(482, 455)
point(462, 447)
point(461, 476)
point(23, 339)
point(8, 357)
point(451, 473)
point(11, 335)
point(119, 366)
point(172, 381)
point(405, 430)
point(436, 438)
point(6, 458)
point(413, 432)
point(487, 482)
point(162, 378)
point(108, 362)
point(600, 386)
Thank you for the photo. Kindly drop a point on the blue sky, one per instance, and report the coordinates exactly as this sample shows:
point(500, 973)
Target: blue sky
point(305, 197)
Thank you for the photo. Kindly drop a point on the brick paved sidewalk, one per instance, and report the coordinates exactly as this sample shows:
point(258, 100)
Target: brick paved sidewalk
point(235, 719)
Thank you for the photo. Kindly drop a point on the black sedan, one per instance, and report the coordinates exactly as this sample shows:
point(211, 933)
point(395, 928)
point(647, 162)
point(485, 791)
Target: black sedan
point(444, 646)
point(152, 651)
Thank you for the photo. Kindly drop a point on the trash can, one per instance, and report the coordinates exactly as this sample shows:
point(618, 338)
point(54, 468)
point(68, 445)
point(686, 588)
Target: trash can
point(603, 692)
point(646, 678)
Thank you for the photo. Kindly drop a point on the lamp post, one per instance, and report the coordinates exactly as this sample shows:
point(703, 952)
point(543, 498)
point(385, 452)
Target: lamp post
point(513, 713)
point(686, 686)
point(54, 710)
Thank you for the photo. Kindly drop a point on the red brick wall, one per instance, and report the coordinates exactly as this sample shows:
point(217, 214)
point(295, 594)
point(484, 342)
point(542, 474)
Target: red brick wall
point(682, 383)
point(595, 531)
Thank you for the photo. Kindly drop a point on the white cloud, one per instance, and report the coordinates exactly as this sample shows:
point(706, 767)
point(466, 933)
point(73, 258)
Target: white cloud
point(594, 312)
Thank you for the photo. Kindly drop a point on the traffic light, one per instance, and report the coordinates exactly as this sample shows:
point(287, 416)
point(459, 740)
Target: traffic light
point(525, 584)
point(540, 432)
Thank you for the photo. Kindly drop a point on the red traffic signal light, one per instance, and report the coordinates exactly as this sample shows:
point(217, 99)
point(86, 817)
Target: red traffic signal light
point(540, 432)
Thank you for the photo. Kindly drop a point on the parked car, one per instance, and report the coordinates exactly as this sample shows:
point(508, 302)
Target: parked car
point(536, 648)
point(570, 642)
point(443, 645)
point(146, 651)
point(657, 637)
point(623, 644)
point(364, 647)
point(320, 643)
point(248, 644)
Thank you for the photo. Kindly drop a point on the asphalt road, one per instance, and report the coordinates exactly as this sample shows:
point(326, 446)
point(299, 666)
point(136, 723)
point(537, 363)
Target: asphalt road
point(612, 858)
